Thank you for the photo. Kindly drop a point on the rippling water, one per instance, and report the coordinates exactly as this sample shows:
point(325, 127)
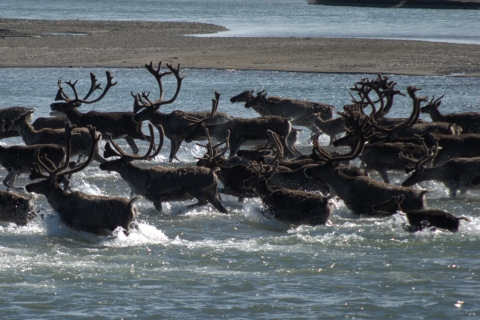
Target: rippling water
point(267, 17)
point(203, 264)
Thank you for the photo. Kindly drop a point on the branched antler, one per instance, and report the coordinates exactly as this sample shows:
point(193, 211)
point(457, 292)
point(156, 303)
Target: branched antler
point(61, 95)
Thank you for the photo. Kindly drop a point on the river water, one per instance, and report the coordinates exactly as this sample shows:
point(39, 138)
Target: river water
point(203, 264)
point(267, 17)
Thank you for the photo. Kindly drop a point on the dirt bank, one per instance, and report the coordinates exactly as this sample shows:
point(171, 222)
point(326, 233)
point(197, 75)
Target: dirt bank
point(42, 43)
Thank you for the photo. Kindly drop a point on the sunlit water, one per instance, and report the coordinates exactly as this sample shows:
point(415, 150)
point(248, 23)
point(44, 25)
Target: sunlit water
point(204, 264)
point(267, 17)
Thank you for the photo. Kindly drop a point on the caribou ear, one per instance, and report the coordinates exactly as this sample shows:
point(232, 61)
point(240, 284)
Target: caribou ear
point(476, 181)
point(34, 176)
point(59, 96)
point(109, 152)
point(408, 170)
point(59, 178)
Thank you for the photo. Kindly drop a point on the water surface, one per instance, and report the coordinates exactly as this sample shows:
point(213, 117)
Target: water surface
point(278, 18)
point(204, 264)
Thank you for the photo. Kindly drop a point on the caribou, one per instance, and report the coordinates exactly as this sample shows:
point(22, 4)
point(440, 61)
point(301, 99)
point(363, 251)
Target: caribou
point(11, 113)
point(81, 141)
point(453, 146)
point(331, 127)
point(100, 215)
point(291, 207)
point(468, 121)
point(383, 156)
point(241, 129)
point(16, 208)
point(406, 134)
point(175, 126)
point(19, 159)
point(385, 91)
point(420, 219)
point(161, 184)
point(360, 193)
point(456, 173)
point(118, 124)
point(295, 110)
point(232, 171)
point(232, 176)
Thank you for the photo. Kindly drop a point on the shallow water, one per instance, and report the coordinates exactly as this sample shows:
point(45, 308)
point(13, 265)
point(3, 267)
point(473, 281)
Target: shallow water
point(267, 17)
point(204, 264)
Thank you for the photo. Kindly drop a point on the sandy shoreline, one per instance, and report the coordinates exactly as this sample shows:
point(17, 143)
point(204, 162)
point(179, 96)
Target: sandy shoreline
point(78, 43)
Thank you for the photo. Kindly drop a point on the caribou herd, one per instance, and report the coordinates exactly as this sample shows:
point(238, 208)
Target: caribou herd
point(294, 188)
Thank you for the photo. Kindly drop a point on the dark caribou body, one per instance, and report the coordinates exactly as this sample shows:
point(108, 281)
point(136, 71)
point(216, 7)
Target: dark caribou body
point(420, 219)
point(161, 184)
point(16, 208)
point(118, 124)
point(176, 128)
point(292, 207)
point(100, 215)
point(241, 130)
point(295, 191)
point(296, 110)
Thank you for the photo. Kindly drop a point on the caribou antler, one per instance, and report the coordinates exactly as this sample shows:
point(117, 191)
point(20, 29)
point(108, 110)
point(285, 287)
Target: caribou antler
point(430, 154)
point(363, 128)
point(436, 102)
point(412, 119)
point(54, 171)
point(195, 121)
point(110, 152)
point(384, 90)
point(2, 127)
point(158, 76)
point(212, 153)
point(155, 105)
point(61, 95)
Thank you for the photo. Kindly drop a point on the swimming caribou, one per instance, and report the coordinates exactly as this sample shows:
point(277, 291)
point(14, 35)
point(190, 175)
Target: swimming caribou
point(161, 184)
point(119, 124)
point(80, 211)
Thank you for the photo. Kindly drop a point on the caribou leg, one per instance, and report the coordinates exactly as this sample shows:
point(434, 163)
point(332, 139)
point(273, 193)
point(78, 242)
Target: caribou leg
point(158, 205)
point(174, 147)
point(291, 140)
point(201, 201)
point(132, 144)
point(384, 175)
point(212, 196)
point(234, 146)
point(10, 179)
point(141, 136)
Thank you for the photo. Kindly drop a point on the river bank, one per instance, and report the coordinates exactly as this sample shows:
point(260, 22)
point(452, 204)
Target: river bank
point(79, 43)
